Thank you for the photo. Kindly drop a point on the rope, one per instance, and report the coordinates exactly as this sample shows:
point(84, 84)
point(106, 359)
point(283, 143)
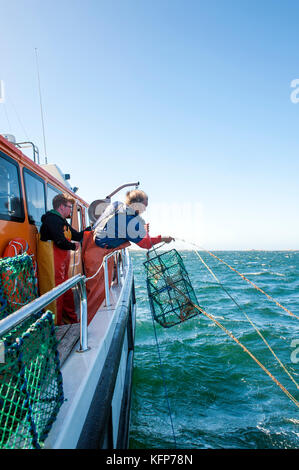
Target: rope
point(97, 272)
point(244, 277)
point(240, 344)
point(164, 384)
point(41, 106)
point(160, 361)
point(94, 275)
point(250, 321)
point(18, 116)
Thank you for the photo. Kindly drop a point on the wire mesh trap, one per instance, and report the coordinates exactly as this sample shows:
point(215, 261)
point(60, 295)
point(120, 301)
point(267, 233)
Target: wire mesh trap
point(171, 295)
point(31, 389)
point(17, 283)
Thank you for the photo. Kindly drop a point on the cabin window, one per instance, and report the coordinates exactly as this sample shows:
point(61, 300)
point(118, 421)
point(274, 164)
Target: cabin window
point(11, 201)
point(35, 197)
point(51, 193)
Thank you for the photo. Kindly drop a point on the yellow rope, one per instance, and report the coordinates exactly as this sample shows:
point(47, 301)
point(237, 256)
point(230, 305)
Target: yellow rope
point(293, 399)
point(246, 279)
point(258, 288)
point(254, 326)
point(250, 354)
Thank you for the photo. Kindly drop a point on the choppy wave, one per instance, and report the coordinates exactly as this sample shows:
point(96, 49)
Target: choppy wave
point(219, 397)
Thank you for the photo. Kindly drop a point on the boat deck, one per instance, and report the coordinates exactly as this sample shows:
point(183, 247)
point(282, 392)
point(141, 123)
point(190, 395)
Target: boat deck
point(67, 336)
point(97, 383)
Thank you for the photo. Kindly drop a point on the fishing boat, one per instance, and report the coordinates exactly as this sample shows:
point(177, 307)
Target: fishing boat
point(75, 393)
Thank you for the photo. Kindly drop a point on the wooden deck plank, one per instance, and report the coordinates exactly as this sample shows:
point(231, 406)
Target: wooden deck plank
point(61, 330)
point(67, 336)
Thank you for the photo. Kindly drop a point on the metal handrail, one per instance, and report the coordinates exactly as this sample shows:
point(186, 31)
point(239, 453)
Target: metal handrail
point(106, 278)
point(38, 304)
point(34, 148)
point(121, 187)
point(106, 272)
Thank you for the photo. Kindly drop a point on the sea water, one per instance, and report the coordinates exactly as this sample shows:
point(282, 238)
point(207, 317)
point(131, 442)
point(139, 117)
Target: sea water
point(203, 391)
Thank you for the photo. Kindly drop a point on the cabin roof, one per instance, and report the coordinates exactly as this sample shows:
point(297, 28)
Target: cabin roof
point(11, 150)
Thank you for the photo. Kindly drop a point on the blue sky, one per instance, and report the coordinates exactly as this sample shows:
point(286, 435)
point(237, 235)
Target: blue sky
point(191, 98)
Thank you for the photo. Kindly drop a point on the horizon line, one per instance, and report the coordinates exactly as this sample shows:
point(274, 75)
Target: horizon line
point(132, 248)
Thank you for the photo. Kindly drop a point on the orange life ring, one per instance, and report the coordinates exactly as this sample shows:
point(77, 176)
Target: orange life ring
point(18, 246)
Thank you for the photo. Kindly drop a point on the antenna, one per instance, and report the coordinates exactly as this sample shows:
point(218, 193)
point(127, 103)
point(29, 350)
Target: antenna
point(41, 106)
point(2, 96)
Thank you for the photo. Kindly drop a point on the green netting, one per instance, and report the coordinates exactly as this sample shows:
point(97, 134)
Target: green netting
point(31, 391)
point(18, 285)
point(170, 292)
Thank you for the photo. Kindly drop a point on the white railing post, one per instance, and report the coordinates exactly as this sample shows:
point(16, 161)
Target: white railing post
point(83, 316)
point(106, 277)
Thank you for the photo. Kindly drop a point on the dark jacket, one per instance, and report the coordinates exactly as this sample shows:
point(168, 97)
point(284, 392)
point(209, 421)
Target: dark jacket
point(55, 227)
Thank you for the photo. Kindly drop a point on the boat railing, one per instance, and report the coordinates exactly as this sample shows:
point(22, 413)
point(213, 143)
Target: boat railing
point(41, 302)
point(34, 149)
point(120, 262)
point(77, 281)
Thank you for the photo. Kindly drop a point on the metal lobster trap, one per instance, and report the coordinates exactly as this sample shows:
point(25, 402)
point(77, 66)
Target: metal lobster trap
point(170, 292)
